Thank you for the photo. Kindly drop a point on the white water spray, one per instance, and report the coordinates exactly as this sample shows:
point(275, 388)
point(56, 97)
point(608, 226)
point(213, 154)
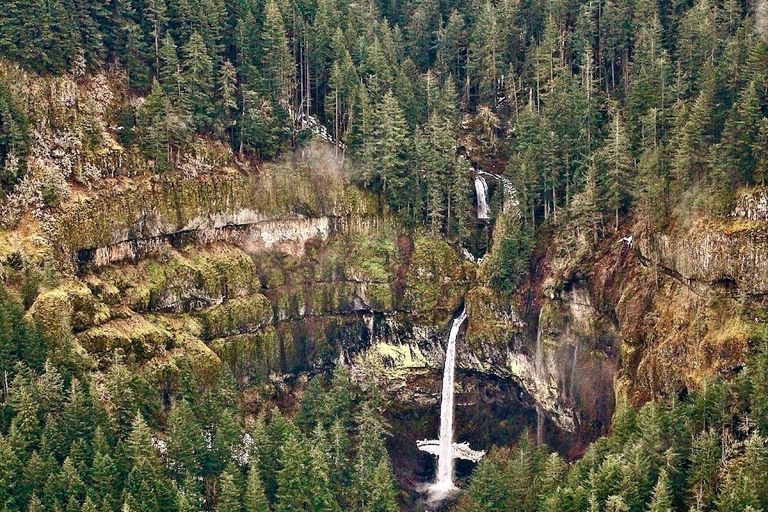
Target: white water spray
point(481, 188)
point(445, 457)
point(539, 363)
point(445, 449)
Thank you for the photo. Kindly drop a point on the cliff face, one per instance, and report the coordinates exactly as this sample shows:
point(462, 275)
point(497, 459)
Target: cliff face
point(285, 267)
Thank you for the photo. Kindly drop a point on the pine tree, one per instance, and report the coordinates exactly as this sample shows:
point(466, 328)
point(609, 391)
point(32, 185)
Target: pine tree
point(450, 47)
point(617, 166)
point(105, 480)
point(153, 121)
point(185, 440)
point(13, 140)
point(276, 59)
point(229, 497)
point(169, 72)
point(8, 469)
point(295, 487)
point(386, 152)
point(25, 428)
point(741, 135)
point(88, 505)
point(313, 406)
point(35, 505)
point(698, 41)
point(226, 94)
point(662, 494)
point(198, 78)
point(139, 444)
point(134, 53)
point(156, 13)
point(340, 397)
point(255, 498)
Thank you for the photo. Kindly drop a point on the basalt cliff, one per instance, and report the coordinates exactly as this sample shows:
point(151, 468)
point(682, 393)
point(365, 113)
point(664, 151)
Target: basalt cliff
point(277, 270)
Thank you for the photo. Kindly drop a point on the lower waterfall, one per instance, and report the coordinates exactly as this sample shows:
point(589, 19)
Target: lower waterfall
point(445, 449)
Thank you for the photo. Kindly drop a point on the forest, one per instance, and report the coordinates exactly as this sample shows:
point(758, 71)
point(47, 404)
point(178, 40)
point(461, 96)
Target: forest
point(594, 111)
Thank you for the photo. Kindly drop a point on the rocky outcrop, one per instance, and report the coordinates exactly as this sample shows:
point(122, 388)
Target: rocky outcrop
point(287, 267)
point(752, 204)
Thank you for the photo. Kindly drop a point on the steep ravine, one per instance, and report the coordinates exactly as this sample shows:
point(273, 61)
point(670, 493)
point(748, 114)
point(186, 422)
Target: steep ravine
point(288, 268)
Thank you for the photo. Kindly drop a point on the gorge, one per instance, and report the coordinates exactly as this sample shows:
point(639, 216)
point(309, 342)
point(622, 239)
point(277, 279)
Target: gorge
point(256, 256)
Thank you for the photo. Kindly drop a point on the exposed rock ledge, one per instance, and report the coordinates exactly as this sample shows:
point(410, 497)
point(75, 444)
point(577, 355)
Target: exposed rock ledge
point(245, 229)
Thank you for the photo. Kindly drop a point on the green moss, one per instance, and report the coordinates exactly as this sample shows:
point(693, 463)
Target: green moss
point(135, 336)
point(290, 303)
point(52, 311)
point(245, 314)
point(138, 298)
point(227, 271)
point(253, 355)
point(372, 258)
point(437, 279)
point(87, 310)
point(148, 208)
point(380, 297)
point(493, 320)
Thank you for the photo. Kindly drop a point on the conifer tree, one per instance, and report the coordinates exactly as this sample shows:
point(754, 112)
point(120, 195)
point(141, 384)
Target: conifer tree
point(153, 121)
point(35, 505)
point(185, 440)
point(227, 98)
point(169, 72)
point(276, 60)
point(198, 79)
point(255, 498)
point(156, 13)
point(299, 489)
point(662, 494)
point(229, 497)
point(617, 166)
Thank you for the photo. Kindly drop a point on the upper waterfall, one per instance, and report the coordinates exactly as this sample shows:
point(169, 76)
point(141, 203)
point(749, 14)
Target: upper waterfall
point(481, 188)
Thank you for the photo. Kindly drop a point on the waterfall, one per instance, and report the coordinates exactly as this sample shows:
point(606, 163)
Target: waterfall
point(573, 369)
point(444, 448)
point(445, 453)
point(481, 188)
point(539, 362)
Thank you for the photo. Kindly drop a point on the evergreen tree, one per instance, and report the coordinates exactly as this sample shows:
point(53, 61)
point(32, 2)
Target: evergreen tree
point(198, 79)
point(662, 495)
point(229, 497)
point(276, 60)
point(13, 140)
point(617, 166)
point(185, 440)
point(386, 154)
point(255, 498)
point(299, 489)
point(169, 72)
point(227, 99)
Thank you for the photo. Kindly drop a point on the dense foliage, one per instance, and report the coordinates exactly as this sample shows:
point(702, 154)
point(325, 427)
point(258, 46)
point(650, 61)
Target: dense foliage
point(586, 107)
point(70, 441)
point(589, 109)
point(705, 453)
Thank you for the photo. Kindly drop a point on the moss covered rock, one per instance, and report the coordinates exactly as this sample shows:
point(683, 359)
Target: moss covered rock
point(437, 279)
point(237, 316)
point(135, 336)
point(253, 355)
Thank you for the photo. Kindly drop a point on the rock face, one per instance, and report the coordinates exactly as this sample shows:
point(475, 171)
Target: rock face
point(287, 267)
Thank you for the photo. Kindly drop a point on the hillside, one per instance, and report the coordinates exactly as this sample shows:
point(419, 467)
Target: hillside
point(234, 237)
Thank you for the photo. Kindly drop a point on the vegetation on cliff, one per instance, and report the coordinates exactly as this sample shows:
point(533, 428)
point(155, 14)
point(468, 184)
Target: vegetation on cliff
point(706, 452)
point(158, 277)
